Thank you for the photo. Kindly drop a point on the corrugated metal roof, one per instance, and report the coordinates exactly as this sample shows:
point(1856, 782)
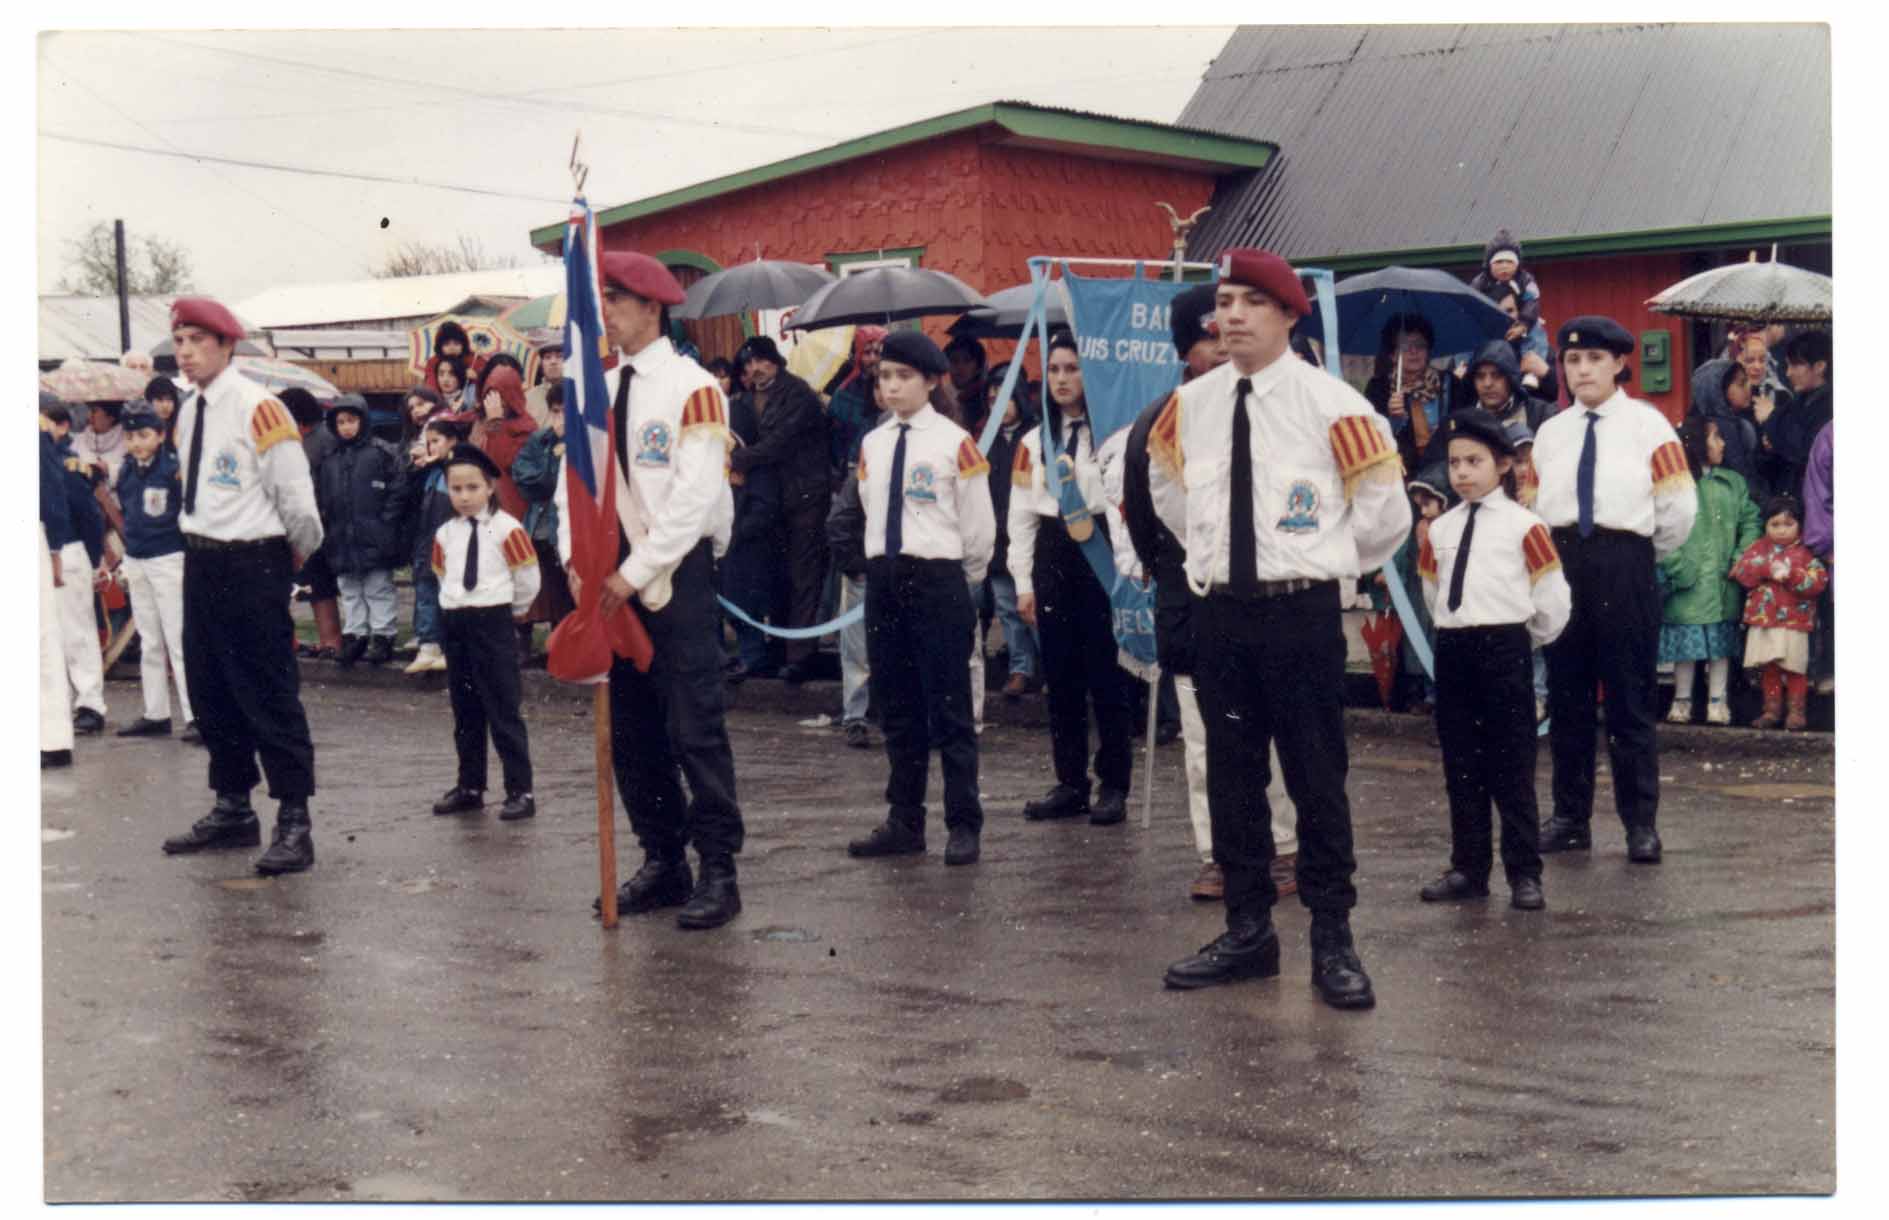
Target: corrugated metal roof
point(414, 296)
point(86, 328)
point(1416, 136)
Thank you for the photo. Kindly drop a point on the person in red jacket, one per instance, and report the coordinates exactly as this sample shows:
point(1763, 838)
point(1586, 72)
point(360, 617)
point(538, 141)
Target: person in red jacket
point(1785, 580)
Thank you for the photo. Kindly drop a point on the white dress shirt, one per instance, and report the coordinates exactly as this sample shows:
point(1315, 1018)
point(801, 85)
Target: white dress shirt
point(1641, 482)
point(678, 442)
point(1111, 460)
point(508, 563)
point(253, 480)
point(1031, 503)
point(1328, 499)
point(1513, 574)
point(946, 512)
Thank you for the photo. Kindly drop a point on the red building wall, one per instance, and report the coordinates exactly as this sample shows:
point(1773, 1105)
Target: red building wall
point(1617, 287)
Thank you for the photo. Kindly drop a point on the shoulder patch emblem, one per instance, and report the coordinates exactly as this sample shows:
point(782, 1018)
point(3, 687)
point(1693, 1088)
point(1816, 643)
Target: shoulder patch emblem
point(705, 410)
point(439, 560)
point(1426, 560)
point(1539, 552)
point(270, 424)
point(1022, 473)
point(518, 549)
point(1669, 467)
point(1361, 449)
point(1164, 438)
point(971, 462)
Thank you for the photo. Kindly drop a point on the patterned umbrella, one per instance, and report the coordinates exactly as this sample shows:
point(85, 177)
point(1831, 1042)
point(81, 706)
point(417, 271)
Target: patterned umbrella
point(745, 287)
point(1750, 292)
point(93, 381)
point(280, 375)
point(487, 337)
point(539, 313)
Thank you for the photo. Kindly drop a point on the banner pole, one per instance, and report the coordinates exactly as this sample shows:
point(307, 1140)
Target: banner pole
point(1154, 701)
point(606, 799)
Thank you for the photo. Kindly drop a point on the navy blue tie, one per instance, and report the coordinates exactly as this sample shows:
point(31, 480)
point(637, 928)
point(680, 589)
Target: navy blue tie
point(472, 553)
point(1584, 480)
point(895, 503)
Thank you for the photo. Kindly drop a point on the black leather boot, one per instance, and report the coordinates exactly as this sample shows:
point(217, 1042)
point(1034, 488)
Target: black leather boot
point(716, 899)
point(144, 727)
point(517, 807)
point(1336, 971)
point(889, 838)
point(1249, 949)
point(1643, 846)
point(1560, 835)
point(961, 847)
point(353, 647)
point(1110, 807)
point(663, 881)
point(293, 847)
point(380, 650)
point(1453, 886)
point(1062, 801)
point(232, 823)
point(459, 800)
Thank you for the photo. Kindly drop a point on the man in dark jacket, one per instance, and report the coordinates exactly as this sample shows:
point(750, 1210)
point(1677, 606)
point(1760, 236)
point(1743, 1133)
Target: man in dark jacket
point(749, 569)
point(793, 439)
point(1721, 395)
point(1793, 428)
point(55, 522)
point(357, 490)
point(1019, 636)
point(78, 558)
point(1492, 381)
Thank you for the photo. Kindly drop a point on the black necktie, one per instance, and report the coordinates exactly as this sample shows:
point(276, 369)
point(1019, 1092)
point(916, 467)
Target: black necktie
point(1243, 554)
point(196, 454)
point(472, 553)
point(1584, 480)
point(895, 503)
point(1462, 559)
point(1074, 446)
point(622, 410)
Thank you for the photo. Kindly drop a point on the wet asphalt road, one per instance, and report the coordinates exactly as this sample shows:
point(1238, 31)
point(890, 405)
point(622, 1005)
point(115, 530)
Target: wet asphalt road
point(432, 1013)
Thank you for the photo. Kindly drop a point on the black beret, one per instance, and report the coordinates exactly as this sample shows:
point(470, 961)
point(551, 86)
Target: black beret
point(472, 455)
point(1476, 424)
point(913, 349)
point(1189, 315)
point(1593, 331)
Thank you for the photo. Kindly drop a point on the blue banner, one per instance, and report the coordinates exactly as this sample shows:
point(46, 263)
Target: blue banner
point(1126, 343)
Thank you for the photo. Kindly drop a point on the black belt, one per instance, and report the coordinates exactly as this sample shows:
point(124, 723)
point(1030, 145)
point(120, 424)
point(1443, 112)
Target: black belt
point(915, 563)
point(197, 542)
point(1570, 535)
point(1269, 588)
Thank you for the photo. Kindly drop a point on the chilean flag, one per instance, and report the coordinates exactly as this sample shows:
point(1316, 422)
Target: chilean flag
point(582, 645)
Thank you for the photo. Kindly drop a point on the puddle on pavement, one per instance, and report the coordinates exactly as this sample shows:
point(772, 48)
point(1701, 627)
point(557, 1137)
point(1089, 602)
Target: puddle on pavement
point(1776, 792)
point(246, 883)
point(976, 1089)
point(53, 834)
point(779, 935)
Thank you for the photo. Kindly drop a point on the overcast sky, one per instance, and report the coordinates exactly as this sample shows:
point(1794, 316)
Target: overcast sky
point(485, 119)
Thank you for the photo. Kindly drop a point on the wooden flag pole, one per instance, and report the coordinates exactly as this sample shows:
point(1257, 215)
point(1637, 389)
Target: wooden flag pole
point(606, 813)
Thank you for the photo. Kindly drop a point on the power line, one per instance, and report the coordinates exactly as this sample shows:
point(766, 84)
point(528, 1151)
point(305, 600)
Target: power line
point(282, 168)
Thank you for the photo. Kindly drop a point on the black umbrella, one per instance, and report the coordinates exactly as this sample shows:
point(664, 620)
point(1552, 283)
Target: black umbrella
point(883, 295)
point(761, 284)
point(1005, 312)
point(1462, 317)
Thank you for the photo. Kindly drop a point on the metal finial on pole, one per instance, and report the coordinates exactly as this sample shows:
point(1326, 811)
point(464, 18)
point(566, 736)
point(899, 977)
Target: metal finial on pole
point(1181, 229)
point(579, 171)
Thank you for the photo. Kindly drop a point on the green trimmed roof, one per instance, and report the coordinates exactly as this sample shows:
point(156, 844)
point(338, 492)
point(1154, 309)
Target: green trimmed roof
point(1023, 124)
point(1692, 237)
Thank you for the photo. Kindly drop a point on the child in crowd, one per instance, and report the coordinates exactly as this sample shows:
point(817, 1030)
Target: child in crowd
point(1703, 607)
point(535, 473)
point(152, 495)
point(449, 375)
point(1785, 580)
point(357, 492)
point(488, 573)
point(1489, 614)
point(425, 505)
point(161, 393)
point(1502, 265)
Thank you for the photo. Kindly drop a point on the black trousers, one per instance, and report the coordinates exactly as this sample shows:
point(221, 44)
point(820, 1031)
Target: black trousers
point(1612, 639)
point(481, 650)
point(1485, 717)
point(666, 725)
point(1075, 633)
point(239, 659)
point(919, 634)
point(806, 571)
point(1272, 670)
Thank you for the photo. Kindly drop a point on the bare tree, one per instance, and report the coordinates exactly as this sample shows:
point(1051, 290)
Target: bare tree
point(466, 253)
point(153, 266)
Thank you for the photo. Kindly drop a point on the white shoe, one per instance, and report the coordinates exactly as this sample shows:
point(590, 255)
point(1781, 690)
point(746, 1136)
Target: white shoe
point(429, 657)
point(1716, 712)
point(408, 645)
point(1681, 712)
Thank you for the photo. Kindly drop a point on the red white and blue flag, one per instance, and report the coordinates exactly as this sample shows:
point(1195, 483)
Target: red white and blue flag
point(582, 645)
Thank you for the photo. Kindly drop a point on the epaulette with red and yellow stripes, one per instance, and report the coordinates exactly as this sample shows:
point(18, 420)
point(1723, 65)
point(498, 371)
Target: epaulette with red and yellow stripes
point(971, 462)
point(1021, 473)
point(705, 409)
point(1164, 437)
point(1669, 467)
point(270, 424)
point(439, 560)
point(1361, 449)
point(1538, 550)
point(1426, 560)
point(518, 549)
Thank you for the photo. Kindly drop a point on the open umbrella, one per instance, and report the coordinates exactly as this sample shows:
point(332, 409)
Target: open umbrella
point(93, 381)
point(745, 287)
point(539, 313)
point(1750, 292)
point(486, 337)
point(244, 347)
point(279, 375)
point(885, 294)
point(1463, 318)
point(1005, 311)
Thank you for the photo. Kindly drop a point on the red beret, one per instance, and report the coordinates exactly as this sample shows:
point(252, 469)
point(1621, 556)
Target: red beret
point(642, 275)
point(202, 311)
point(1266, 271)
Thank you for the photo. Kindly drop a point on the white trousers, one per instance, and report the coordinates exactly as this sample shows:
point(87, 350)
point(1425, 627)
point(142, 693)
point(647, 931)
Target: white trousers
point(1285, 819)
point(78, 630)
point(157, 607)
point(55, 701)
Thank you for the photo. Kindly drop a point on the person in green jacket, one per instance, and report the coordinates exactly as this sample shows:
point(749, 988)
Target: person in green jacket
point(1704, 605)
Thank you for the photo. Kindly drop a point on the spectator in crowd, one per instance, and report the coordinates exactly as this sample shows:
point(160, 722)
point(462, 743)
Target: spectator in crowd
point(1785, 580)
point(854, 409)
point(356, 492)
point(1020, 643)
point(161, 393)
point(152, 496)
point(448, 380)
point(846, 539)
point(78, 558)
point(323, 592)
point(1792, 429)
point(1502, 265)
point(450, 343)
point(751, 570)
point(420, 405)
point(724, 375)
point(550, 376)
point(424, 504)
point(535, 473)
point(1820, 537)
point(968, 373)
point(502, 430)
point(1721, 396)
point(55, 531)
point(1534, 355)
point(1405, 388)
point(101, 445)
point(792, 437)
point(1770, 398)
point(1703, 606)
point(1493, 380)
